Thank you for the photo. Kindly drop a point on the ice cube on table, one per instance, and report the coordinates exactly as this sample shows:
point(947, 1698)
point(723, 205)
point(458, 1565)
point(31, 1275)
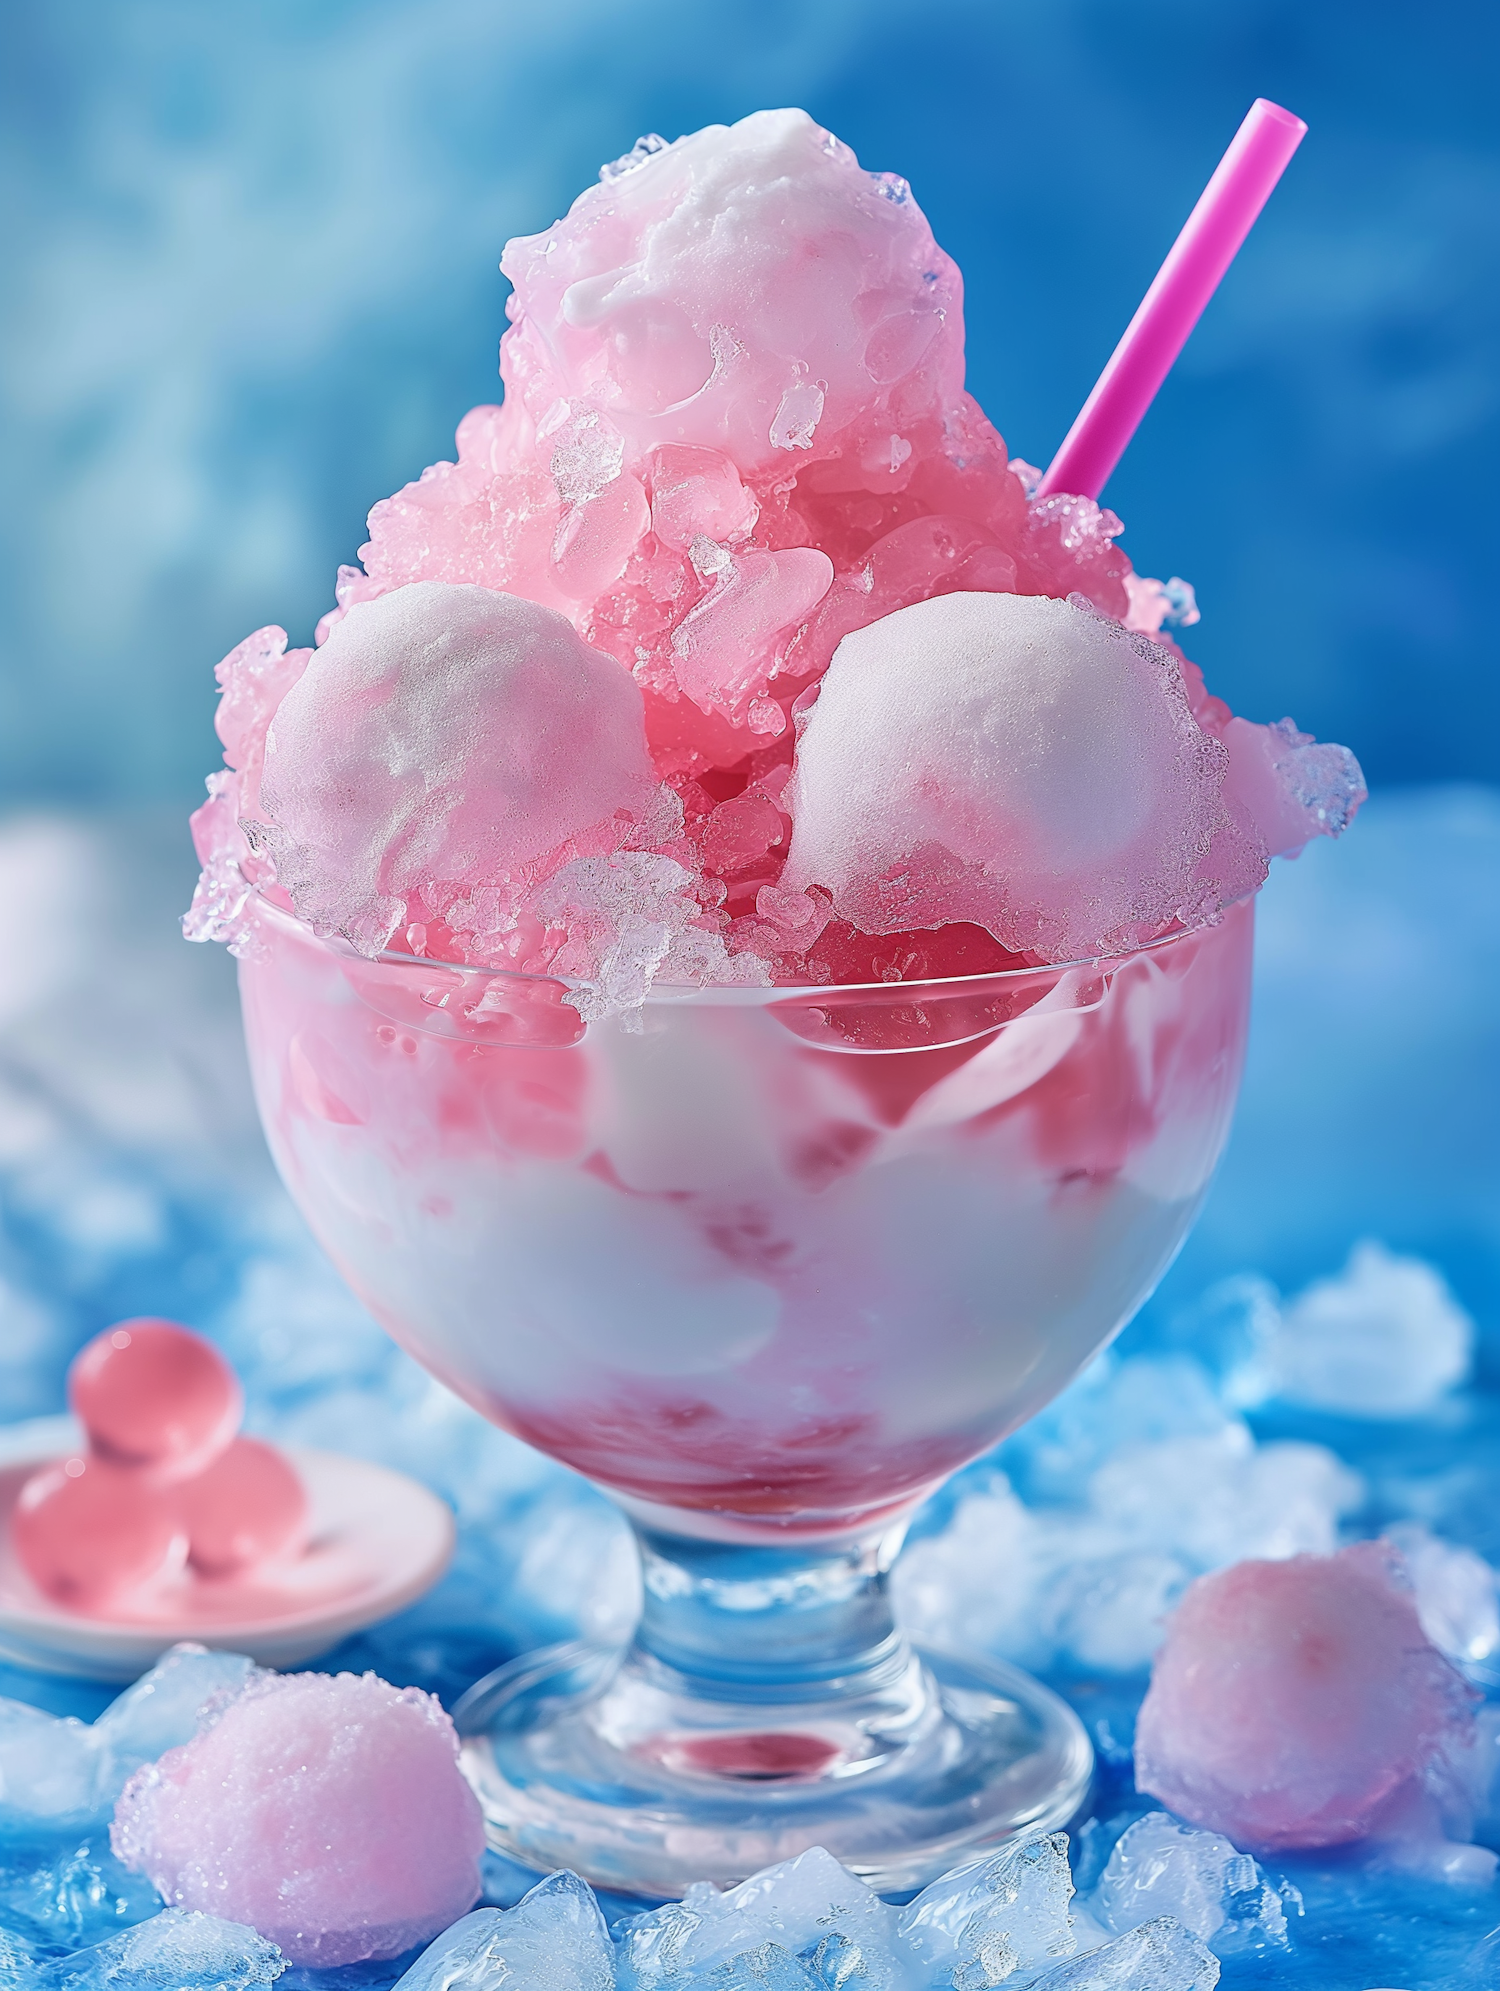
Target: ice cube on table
point(554, 1939)
point(177, 1950)
point(1016, 762)
point(327, 1812)
point(166, 1706)
point(996, 1918)
point(805, 1915)
point(1159, 1866)
point(448, 738)
point(1458, 1598)
point(1383, 1338)
point(61, 1776)
point(1158, 1956)
point(64, 1899)
point(1292, 1700)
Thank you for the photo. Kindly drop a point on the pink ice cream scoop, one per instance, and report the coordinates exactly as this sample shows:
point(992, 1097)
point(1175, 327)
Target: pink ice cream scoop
point(1292, 1699)
point(165, 1485)
point(329, 1813)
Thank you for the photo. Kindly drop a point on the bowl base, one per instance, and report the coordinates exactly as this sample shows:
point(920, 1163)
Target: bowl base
point(613, 1766)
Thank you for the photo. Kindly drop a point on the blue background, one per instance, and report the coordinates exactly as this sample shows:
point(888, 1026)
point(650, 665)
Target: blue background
point(251, 286)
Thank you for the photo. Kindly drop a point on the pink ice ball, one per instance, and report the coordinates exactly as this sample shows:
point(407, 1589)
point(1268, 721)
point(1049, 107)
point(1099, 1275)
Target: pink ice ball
point(155, 1395)
point(1291, 1699)
point(327, 1812)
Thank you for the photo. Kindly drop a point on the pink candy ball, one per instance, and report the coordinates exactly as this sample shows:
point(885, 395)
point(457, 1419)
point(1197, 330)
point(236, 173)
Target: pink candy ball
point(1291, 1699)
point(91, 1535)
point(329, 1813)
point(155, 1395)
point(246, 1508)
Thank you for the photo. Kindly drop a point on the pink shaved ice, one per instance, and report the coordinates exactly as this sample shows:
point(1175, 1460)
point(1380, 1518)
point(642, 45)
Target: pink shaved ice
point(1291, 1700)
point(734, 436)
point(328, 1813)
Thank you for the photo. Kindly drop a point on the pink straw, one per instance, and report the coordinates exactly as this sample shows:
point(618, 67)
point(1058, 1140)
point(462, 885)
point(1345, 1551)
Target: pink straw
point(1195, 266)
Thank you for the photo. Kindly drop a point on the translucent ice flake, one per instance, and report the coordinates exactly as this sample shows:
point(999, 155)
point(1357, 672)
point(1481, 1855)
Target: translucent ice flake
point(805, 1925)
point(725, 646)
point(1385, 1338)
point(553, 1940)
point(1158, 1956)
point(688, 288)
point(1160, 1867)
point(61, 1776)
point(631, 920)
point(1458, 1598)
point(328, 1813)
point(1018, 763)
point(996, 1920)
point(1293, 1699)
point(72, 1898)
point(174, 1951)
point(446, 733)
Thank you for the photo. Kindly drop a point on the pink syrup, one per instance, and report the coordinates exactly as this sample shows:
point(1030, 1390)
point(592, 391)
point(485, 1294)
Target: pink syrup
point(165, 1491)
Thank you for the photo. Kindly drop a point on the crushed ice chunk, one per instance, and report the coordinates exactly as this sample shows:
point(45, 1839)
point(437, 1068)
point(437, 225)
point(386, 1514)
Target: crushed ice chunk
point(1323, 778)
point(587, 457)
point(807, 1922)
point(1384, 1338)
point(554, 1939)
point(1292, 1700)
point(1158, 605)
point(1158, 1956)
point(70, 1898)
point(798, 414)
point(1160, 1866)
point(645, 147)
point(174, 1951)
point(1456, 1593)
point(167, 1706)
point(1171, 1485)
point(328, 1812)
point(61, 1776)
point(995, 1919)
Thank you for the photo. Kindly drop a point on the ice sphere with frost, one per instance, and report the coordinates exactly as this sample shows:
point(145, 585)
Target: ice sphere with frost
point(749, 290)
point(174, 1951)
point(447, 735)
point(1158, 1956)
point(327, 1812)
point(1160, 1866)
point(1385, 1338)
point(1019, 763)
point(804, 1922)
point(1292, 1699)
point(1002, 1916)
point(554, 1939)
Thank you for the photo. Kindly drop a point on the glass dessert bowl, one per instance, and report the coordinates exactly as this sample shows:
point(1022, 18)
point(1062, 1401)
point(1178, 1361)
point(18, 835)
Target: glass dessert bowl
point(766, 1264)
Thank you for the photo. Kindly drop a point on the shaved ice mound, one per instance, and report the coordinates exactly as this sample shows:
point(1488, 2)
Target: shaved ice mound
point(735, 438)
point(1292, 1700)
point(327, 1813)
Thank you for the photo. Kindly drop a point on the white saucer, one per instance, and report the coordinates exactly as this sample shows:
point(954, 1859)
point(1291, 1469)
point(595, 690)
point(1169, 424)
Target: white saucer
point(376, 1541)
